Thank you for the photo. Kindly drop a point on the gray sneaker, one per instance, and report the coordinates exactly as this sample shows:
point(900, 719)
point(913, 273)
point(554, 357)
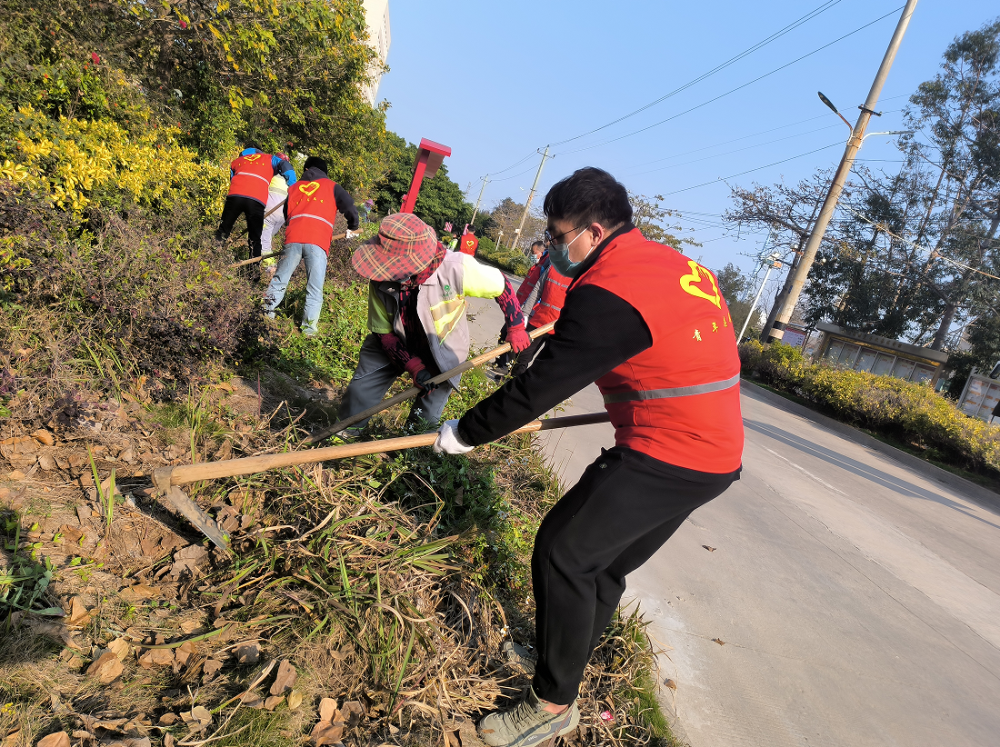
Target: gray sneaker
point(519, 656)
point(528, 724)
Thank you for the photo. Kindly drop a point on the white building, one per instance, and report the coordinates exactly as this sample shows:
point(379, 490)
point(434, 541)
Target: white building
point(377, 18)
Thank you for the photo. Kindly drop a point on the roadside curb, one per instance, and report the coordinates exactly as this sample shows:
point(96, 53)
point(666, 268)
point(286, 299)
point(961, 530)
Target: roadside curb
point(977, 493)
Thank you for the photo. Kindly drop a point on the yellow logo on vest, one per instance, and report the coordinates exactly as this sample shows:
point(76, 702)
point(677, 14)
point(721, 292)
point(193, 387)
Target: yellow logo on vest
point(253, 157)
point(309, 189)
point(687, 284)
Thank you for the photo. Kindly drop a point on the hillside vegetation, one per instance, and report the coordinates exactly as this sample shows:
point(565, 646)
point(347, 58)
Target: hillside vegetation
point(361, 601)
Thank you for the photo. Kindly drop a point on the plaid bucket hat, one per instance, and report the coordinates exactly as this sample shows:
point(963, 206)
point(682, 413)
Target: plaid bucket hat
point(404, 246)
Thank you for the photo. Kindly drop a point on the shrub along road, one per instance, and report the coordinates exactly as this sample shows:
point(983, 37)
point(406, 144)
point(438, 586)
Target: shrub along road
point(845, 599)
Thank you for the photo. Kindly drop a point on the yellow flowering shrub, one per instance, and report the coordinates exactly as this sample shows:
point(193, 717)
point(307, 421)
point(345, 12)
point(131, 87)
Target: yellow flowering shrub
point(900, 409)
point(76, 162)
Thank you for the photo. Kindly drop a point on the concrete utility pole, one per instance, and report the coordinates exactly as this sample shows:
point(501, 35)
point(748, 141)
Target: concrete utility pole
point(801, 272)
point(486, 180)
point(531, 194)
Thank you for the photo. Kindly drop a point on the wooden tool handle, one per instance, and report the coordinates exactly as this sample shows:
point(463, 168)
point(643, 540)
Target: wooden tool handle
point(252, 260)
point(252, 465)
point(413, 391)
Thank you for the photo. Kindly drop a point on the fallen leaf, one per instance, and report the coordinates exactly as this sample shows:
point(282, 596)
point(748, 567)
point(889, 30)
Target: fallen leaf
point(19, 475)
point(670, 683)
point(156, 657)
point(107, 668)
point(138, 742)
point(273, 702)
point(168, 740)
point(294, 699)
point(121, 648)
point(81, 734)
point(184, 653)
point(710, 549)
point(327, 709)
point(252, 700)
point(59, 739)
point(719, 641)
point(47, 463)
point(189, 626)
point(211, 666)
point(326, 733)
point(44, 437)
point(71, 535)
point(248, 653)
point(169, 719)
point(139, 592)
point(354, 712)
point(202, 714)
point(78, 614)
point(285, 678)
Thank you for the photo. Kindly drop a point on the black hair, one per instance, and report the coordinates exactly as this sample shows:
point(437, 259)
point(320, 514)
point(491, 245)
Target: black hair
point(251, 144)
point(315, 162)
point(537, 243)
point(589, 195)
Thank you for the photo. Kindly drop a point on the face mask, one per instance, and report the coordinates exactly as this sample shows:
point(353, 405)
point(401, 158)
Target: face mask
point(559, 257)
point(534, 259)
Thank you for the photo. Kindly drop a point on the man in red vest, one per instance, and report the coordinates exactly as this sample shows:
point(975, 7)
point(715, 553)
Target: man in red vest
point(651, 328)
point(311, 211)
point(468, 243)
point(249, 177)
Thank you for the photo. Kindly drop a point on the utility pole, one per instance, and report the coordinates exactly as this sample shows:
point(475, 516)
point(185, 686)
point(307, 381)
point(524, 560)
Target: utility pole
point(531, 194)
point(801, 272)
point(486, 180)
point(773, 263)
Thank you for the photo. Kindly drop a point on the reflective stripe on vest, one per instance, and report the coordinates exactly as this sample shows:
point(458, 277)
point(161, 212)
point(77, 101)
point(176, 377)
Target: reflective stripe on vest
point(446, 316)
point(255, 176)
point(677, 391)
point(310, 215)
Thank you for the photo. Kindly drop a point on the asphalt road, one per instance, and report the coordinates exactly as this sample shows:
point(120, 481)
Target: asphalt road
point(847, 600)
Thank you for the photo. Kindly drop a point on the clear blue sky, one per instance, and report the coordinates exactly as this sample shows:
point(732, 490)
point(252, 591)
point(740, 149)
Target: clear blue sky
point(495, 81)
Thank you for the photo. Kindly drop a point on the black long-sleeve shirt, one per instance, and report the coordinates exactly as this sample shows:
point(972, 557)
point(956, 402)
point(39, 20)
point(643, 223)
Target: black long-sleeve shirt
point(596, 332)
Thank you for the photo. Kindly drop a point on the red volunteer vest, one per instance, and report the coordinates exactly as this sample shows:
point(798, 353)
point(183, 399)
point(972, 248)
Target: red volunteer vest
point(312, 211)
point(251, 175)
point(467, 244)
point(551, 301)
point(678, 401)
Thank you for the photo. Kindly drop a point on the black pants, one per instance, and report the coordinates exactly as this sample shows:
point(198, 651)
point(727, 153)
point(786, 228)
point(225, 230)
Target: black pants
point(622, 510)
point(236, 206)
point(523, 359)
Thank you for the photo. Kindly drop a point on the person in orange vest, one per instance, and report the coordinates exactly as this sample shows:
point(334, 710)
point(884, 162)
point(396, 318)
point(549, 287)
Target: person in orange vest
point(650, 326)
point(310, 212)
point(249, 178)
point(468, 243)
point(551, 297)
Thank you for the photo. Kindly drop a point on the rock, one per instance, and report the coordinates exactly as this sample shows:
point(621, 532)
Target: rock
point(273, 702)
point(284, 680)
point(107, 668)
point(4, 493)
point(248, 653)
point(44, 437)
point(59, 739)
point(670, 683)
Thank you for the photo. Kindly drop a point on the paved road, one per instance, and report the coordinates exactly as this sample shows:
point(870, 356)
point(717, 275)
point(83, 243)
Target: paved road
point(858, 602)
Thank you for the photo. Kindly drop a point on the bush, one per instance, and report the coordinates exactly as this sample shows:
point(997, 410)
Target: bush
point(512, 260)
point(900, 409)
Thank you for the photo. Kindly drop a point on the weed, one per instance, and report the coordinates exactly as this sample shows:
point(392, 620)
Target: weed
point(105, 497)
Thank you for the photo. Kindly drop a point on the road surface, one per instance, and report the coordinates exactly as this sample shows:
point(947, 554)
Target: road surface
point(854, 601)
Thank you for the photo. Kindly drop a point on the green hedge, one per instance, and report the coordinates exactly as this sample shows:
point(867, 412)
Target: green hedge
point(512, 260)
point(902, 410)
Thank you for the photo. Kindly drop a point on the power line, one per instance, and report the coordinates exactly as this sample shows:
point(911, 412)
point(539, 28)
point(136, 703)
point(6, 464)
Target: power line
point(734, 90)
point(758, 168)
point(718, 68)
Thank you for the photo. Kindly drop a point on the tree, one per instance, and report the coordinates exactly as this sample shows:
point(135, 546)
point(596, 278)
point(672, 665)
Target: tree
point(440, 200)
point(649, 217)
point(738, 289)
point(506, 216)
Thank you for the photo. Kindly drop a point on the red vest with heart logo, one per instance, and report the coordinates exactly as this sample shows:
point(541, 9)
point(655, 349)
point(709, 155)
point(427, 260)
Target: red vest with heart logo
point(251, 175)
point(312, 211)
point(679, 400)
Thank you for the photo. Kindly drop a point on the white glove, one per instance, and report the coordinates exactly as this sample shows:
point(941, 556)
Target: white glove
point(351, 234)
point(448, 441)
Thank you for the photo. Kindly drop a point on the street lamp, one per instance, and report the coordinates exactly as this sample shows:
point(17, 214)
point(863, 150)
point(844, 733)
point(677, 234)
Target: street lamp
point(773, 262)
point(829, 103)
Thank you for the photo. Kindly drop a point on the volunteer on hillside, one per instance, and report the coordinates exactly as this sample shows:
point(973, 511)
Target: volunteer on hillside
point(651, 328)
point(249, 181)
point(416, 315)
point(310, 211)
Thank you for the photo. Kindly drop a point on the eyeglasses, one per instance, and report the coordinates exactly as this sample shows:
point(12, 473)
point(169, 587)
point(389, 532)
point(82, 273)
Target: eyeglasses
point(550, 239)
